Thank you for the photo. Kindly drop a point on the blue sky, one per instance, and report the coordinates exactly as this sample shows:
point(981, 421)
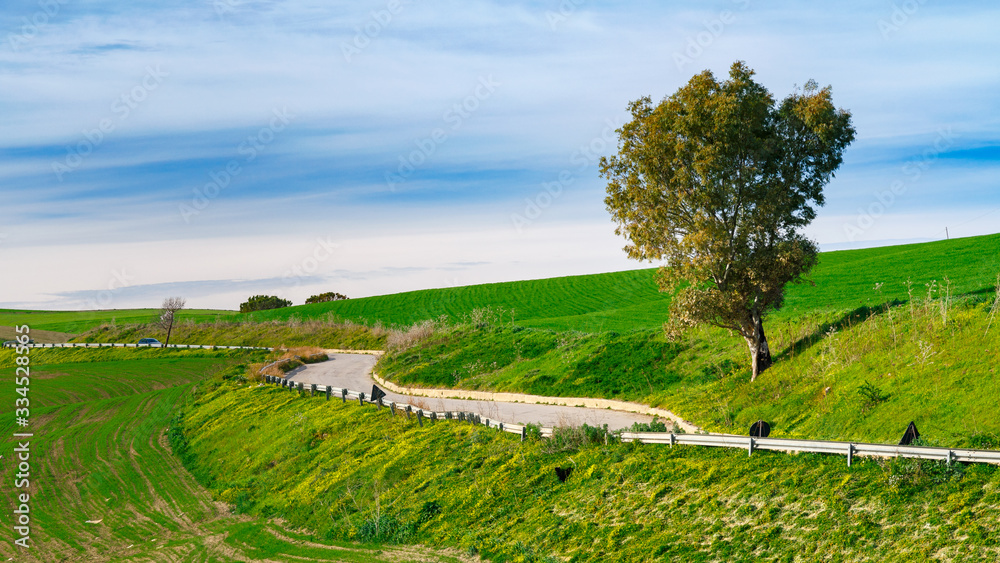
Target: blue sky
point(215, 149)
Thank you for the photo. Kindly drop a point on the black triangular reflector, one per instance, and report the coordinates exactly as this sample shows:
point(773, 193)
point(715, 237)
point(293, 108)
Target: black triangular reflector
point(910, 435)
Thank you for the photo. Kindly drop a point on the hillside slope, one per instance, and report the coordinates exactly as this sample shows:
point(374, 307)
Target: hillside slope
point(861, 376)
point(346, 471)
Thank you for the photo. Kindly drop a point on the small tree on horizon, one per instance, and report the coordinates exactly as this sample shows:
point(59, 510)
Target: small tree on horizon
point(263, 303)
point(167, 313)
point(717, 181)
point(324, 297)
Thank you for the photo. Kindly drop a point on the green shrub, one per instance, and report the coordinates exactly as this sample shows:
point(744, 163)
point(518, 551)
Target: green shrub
point(984, 441)
point(384, 528)
point(871, 396)
point(656, 425)
point(572, 438)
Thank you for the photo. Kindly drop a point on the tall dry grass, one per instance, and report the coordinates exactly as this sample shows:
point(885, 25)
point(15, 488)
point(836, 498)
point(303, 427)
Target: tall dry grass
point(398, 339)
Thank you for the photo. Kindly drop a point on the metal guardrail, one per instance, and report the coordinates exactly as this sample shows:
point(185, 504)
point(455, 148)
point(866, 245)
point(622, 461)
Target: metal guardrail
point(849, 449)
point(748, 443)
point(123, 345)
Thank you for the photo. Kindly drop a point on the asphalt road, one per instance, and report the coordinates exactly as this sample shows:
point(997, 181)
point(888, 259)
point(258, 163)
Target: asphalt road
point(353, 371)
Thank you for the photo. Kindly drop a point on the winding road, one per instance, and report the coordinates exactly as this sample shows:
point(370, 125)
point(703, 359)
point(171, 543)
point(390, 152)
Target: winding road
point(354, 371)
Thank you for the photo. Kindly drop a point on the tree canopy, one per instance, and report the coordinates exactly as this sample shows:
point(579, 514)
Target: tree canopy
point(717, 180)
point(324, 297)
point(263, 302)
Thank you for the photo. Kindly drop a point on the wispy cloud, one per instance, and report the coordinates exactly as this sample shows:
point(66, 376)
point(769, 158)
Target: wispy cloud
point(226, 65)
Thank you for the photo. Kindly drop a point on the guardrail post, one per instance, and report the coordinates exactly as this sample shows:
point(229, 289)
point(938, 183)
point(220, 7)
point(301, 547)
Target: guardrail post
point(850, 454)
point(343, 395)
point(361, 399)
point(312, 390)
point(949, 458)
point(524, 432)
point(673, 439)
point(750, 449)
point(328, 390)
point(300, 388)
point(420, 417)
point(392, 407)
point(409, 409)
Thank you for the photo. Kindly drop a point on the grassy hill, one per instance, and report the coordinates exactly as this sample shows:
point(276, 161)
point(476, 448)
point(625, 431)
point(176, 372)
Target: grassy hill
point(345, 471)
point(862, 377)
point(75, 322)
point(105, 485)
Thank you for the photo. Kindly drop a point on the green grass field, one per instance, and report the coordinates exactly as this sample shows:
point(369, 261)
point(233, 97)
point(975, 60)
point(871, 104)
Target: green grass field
point(347, 471)
point(263, 333)
point(100, 454)
point(75, 322)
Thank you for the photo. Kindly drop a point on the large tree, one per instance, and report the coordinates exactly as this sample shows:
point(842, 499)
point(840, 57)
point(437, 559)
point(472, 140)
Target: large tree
point(717, 180)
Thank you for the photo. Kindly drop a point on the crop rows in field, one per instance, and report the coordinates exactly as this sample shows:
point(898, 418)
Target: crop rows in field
point(105, 485)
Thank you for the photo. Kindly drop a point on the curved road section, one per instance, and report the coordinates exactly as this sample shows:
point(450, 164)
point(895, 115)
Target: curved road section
point(354, 371)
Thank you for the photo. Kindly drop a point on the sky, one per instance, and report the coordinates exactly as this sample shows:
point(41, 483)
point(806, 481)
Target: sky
point(217, 149)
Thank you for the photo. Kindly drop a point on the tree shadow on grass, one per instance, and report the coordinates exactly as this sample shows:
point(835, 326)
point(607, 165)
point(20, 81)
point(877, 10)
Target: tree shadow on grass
point(981, 295)
point(847, 321)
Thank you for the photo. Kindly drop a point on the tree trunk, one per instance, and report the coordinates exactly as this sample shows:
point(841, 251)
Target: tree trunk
point(170, 327)
point(760, 353)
